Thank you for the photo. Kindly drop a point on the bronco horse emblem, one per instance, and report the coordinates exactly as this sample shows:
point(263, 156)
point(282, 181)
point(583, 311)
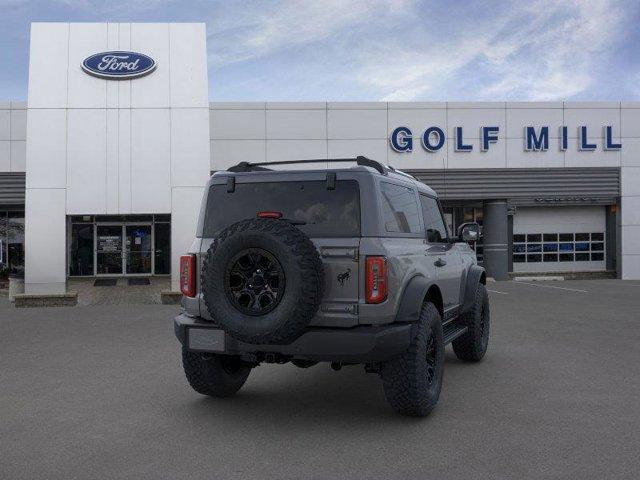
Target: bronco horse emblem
point(344, 276)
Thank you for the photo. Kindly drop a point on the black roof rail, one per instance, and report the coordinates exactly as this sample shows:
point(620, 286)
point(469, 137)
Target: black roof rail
point(260, 166)
point(400, 172)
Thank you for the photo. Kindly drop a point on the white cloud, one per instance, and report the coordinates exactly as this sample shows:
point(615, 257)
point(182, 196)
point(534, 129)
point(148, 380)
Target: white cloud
point(407, 50)
point(564, 55)
point(101, 7)
point(545, 51)
point(261, 28)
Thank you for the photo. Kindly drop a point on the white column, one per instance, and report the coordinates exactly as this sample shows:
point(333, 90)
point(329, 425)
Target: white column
point(184, 219)
point(630, 223)
point(45, 241)
point(190, 158)
point(45, 205)
point(189, 174)
point(630, 191)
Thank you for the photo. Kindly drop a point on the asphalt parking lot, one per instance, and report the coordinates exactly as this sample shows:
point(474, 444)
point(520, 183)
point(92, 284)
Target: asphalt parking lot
point(98, 392)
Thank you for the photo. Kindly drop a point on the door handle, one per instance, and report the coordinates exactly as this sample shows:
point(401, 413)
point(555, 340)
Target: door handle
point(440, 262)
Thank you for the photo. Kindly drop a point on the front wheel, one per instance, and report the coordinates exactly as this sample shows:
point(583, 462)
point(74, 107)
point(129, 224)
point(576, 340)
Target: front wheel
point(472, 345)
point(214, 375)
point(412, 381)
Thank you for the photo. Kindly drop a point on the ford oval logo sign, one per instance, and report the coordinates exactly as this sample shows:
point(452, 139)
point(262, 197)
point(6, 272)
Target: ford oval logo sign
point(118, 65)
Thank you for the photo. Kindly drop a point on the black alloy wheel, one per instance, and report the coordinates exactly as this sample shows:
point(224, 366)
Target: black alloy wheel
point(254, 282)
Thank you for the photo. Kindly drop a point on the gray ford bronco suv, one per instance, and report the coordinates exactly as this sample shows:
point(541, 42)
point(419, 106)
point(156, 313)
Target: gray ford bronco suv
point(346, 265)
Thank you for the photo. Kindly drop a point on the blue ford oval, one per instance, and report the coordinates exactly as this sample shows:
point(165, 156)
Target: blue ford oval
point(118, 65)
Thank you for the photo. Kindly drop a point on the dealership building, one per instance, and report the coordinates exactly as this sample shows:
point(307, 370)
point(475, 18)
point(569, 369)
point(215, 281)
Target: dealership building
point(102, 169)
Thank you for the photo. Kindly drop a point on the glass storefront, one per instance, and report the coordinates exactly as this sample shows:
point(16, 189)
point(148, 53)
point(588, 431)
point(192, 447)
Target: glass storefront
point(11, 242)
point(81, 252)
point(162, 251)
point(138, 248)
point(559, 247)
point(120, 245)
point(109, 257)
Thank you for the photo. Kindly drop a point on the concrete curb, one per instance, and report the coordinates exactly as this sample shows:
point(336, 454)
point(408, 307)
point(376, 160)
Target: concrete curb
point(538, 278)
point(24, 300)
point(170, 298)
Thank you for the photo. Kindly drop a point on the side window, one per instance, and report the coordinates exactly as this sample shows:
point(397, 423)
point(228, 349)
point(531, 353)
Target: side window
point(399, 209)
point(433, 222)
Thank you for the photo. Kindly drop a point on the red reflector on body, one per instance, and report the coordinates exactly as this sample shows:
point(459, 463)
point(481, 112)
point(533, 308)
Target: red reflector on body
point(269, 214)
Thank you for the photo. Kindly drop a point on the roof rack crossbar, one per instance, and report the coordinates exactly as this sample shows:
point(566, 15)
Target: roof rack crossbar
point(259, 166)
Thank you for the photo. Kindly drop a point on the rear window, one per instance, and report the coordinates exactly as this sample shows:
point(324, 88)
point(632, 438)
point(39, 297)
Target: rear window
point(322, 212)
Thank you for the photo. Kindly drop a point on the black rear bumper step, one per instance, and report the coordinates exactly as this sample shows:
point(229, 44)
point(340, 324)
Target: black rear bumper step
point(451, 332)
point(362, 344)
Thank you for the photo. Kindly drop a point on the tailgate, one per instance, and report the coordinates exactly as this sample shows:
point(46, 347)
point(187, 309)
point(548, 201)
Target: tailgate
point(340, 258)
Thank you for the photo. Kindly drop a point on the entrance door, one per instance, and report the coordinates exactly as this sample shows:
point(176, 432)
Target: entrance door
point(139, 251)
point(108, 249)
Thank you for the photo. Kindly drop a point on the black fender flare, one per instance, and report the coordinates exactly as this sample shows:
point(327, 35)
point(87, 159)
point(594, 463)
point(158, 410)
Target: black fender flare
point(475, 275)
point(412, 299)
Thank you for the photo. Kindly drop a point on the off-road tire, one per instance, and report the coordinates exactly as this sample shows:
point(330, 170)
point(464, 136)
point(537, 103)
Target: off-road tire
point(404, 377)
point(472, 345)
point(214, 375)
point(302, 269)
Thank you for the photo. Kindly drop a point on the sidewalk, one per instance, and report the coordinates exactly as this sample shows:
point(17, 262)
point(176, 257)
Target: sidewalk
point(121, 294)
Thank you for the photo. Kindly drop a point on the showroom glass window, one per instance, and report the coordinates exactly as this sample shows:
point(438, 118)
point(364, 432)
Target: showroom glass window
point(11, 242)
point(162, 252)
point(81, 251)
point(120, 245)
point(559, 247)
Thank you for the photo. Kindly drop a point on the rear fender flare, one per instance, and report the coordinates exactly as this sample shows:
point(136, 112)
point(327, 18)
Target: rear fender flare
point(475, 275)
point(412, 299)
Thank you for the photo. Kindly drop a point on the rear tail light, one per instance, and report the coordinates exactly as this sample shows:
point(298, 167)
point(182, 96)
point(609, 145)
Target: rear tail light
point(188, 275)
point(376, 280)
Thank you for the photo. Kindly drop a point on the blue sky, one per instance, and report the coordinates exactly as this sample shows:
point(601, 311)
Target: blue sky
point(378, 49)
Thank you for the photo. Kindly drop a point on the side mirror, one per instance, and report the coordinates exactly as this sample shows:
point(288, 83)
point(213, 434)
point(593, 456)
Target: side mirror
point(469, 232)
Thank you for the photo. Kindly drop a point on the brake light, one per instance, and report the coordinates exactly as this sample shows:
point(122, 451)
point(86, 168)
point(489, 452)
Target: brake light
point(269, 214)
point(188, 275)
point(376, 280)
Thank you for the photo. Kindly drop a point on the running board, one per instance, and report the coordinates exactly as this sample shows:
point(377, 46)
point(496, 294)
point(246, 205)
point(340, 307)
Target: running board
point(451, 332)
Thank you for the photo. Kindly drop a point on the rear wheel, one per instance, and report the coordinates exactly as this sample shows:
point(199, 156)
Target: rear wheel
point(412, 381)
point(214, 375)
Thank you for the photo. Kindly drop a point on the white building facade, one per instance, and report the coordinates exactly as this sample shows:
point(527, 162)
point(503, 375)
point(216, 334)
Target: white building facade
point(100, 147)
point(115, 168)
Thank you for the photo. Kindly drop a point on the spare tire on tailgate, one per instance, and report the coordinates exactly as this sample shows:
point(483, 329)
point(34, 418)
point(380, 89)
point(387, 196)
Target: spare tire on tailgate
point(262, 281)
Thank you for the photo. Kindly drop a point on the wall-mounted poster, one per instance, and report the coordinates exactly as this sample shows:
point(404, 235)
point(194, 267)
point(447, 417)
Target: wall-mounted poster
point(109, 243)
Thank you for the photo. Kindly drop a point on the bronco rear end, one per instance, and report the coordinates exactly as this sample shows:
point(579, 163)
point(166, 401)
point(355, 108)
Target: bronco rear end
point(299, 266)
point(333, 210)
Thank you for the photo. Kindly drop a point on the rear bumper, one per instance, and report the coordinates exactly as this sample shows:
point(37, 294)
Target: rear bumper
point(360, 344)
